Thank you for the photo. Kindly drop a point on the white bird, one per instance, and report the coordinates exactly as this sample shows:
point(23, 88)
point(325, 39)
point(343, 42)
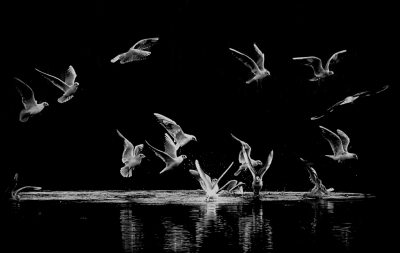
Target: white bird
point(233, 187)
point(28, 99)
point(14, 191)
point(210, 187)
point(175, 131)
point(242, 161)
point(169, 156)
point(137, 52)
point(258, 174)
point(68, 86)
point(316, 64)
point(319, 189)
point(258, 68)
point(339, 144)
point(350, 100)
point(131, 157)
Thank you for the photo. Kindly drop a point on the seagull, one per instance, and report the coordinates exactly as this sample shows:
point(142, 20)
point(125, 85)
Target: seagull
point(131, 157)
point(28, 99)
point(137, 52)
point(14, 192)
point(175, 131)
point(169, 156)
point(210, 187)
point(316, 64)
point(256, 68)
point(68, 86)
point(319, 189)
point(242, 161)
point(350, 100)
point(233, 187)
point(258, 174)
point(339, 144)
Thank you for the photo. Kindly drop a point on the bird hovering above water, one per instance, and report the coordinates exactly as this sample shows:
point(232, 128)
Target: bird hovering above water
point(175, 131)
point(316, 64)
point(319, 189)
point(339, 144)
point(242, 161)
point(131, 157)
point(29, 102)
point(169, 156)
point(13, 193)
point(68, 86)
point(137, 52)
point(350, 100)
point(258, 174)
point(210, 187)
point(258, 68)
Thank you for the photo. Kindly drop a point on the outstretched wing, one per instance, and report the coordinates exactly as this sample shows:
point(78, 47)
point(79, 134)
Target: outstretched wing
point(128, 149)
point(245, 59)
point(344, 138)
point(138, 149)
point(26, 92)
point(216, 183)
point(35, 188)
point(206, 180)
point(170, 125)
point(334, 59)
point(248, 163)
point(228, 186)
point(197, 176)
point(54, 80)
point(170, 147)
point(333, 139)
point(145, 44)
point(313, 174)
point(164, 156)
point(312, 61)
point(266, 166)
point(260, 58)
point(70, 76)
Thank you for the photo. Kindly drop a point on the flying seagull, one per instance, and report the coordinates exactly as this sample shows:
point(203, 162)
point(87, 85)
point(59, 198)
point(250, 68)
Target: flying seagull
point(137, 52)
point(210, 187)
point(258, 174)
point(13, 193)
point(175, 131)
point(316, 64)
point(339, 144)
point(169, 156)
point(68, 86)
point(242, 161)
point(350, 100)
point(131, 157)
point(28, 99)
point(257, 69)
point(319, 189)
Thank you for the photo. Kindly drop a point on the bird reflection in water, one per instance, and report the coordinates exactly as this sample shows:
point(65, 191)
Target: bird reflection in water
point(132, 231)
point(177, 238)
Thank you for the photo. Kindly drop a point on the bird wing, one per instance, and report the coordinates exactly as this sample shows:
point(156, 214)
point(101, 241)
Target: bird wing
point(138, 149)
point(144, 44)
point(384, 88)
point(197, 176)
point(70, 76)
point(260, 60)
point(228, 186)
point(313, 174)
point(312, 61)
point(205, 179)
point(36, 188)
point(26, 92)
point(249, 166)
point(128, 149)
point(164, 156)
point(237, 186)
point(241, 168)
point(245, 59)
point(333, 139)
point(170, 125)
point(216, 183)
point(344, 138)
point(54, 80)
point(169, 146)
point(241, 142)
point(266, 166)
point(334, 59)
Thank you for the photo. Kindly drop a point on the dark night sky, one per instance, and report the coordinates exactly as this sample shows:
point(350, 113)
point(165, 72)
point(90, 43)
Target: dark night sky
point(192, 78)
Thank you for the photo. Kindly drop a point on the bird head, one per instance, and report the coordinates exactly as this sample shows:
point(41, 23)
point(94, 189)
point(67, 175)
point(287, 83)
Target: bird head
point(330, 72)
point(259, 163)
point(76, 84)
point(45, 104)
point(183, 156)
point(194, 138)
point(142, 156)
point(355, 156)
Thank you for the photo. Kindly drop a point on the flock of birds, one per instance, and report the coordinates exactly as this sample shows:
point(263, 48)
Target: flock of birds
point(132, 155)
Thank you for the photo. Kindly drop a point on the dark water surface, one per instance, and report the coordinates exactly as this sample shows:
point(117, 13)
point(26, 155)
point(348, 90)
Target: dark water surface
point(156, 221)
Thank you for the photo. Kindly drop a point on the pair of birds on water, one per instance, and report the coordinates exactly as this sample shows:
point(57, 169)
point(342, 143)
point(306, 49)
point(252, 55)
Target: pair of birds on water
point(31, 106)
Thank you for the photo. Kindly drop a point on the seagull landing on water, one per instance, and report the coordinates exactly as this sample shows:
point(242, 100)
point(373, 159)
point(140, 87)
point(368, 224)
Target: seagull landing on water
point(68, 86)
point(256, 68)
point(210, 187)
point(175, 131)
point(28, 99)
point(242, 161)
point(350, 100)
point(339, 144)
point(137, 52)
point(131, 157)
point(169, 156)
point(316, 64)
point(13, 193)
point(258, 174)
point(319, 189)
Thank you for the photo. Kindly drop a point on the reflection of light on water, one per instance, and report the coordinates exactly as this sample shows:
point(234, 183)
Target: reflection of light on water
point(344, 233)
point(206, 217)
point(132, 231)
point(176, 238)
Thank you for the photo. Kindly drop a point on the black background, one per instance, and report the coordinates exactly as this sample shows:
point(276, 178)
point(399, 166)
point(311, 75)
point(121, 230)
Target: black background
point(192, 78)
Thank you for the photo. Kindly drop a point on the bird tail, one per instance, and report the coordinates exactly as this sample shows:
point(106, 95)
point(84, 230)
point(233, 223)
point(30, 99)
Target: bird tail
point(126, 171)
point(331, 156)
point(330, 190)
point(24, 116)
point(116, 58)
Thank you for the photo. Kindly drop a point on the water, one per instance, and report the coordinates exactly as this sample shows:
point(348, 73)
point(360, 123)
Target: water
point(156, 221)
